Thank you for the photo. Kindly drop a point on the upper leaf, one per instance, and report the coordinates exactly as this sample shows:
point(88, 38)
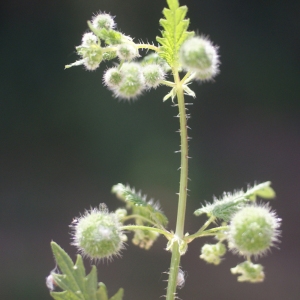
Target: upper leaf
point(146, 209)
point(231, 203)
point(74, 282)
point(174, 33)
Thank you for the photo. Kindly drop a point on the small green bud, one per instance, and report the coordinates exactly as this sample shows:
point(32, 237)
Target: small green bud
point(133, 82)
point(127, 51)
point(88, 39)
point(91, 54)
point(144, 238)
point(253, 230)
point(103, 21)
point(112, 78)
point(121, 213)
point(212, 253)
point(154, 58)
point(153, 74)
point(199, 55)
point(109, 55)
point(249, 272)
point(97, 234)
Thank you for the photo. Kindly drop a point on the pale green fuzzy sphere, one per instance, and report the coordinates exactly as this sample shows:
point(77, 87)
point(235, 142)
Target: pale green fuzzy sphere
point(133, 82)
point(92, 55)
point(112, 78)
point(103, 20)
point(199, 55)
point(153, 74)
point(127, 51)
point(97, 234)
point(253, 230)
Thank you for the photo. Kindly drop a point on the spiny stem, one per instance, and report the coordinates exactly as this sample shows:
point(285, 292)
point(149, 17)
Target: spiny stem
point(175, 260)
point(147, 46)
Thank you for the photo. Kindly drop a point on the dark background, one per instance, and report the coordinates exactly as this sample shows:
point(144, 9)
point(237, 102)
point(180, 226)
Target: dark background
point(65, 141)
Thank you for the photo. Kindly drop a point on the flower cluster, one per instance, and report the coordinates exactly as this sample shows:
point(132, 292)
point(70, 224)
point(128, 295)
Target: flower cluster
point(128, 79)
point(212, 253)
point(103, 42)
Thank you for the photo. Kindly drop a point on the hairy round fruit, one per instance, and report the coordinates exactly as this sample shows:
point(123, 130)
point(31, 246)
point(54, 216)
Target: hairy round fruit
point(97, 234)
point(253, 230)
point(133, 82)
point(199, 55)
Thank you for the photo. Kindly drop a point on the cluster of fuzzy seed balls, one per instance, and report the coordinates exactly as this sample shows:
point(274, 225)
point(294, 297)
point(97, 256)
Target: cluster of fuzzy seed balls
point(131, 79)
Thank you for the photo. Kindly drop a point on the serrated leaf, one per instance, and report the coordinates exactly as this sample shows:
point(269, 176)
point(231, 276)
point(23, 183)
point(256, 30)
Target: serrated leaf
point(102, 292)
point(66, 295)
point(231, 203)
point(175, 31)
point(91, 284)
point(148, 209)
point(73, 280)
point(173, 4)
point(224, 208)
point(118, 295)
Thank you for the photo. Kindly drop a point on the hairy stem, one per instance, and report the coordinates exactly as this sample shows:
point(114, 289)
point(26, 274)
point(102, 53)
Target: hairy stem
point(148, 46)
point(175, 260)
point(138, 217)
point(167, 234)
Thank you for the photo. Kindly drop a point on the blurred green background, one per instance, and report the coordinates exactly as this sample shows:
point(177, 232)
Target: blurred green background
point(65, 141)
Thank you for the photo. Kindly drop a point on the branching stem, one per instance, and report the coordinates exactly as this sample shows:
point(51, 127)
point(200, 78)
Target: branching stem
point(140, 218)
point(167, 234)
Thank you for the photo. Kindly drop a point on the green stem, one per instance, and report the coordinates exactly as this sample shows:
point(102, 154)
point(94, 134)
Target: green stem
point(175, 260)
point(138, 217)
point(168, 83)
point(199, 232)
point(167, 234)
point(147, 46)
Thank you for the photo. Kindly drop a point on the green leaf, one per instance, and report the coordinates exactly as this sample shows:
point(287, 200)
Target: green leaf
point(102, 292)
point(224, 208)
point(73, 280)
point(231, 203)
point(139, 204)
point(262, 190)
point(66, 295)
point(118, 295)
point(175, 31)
